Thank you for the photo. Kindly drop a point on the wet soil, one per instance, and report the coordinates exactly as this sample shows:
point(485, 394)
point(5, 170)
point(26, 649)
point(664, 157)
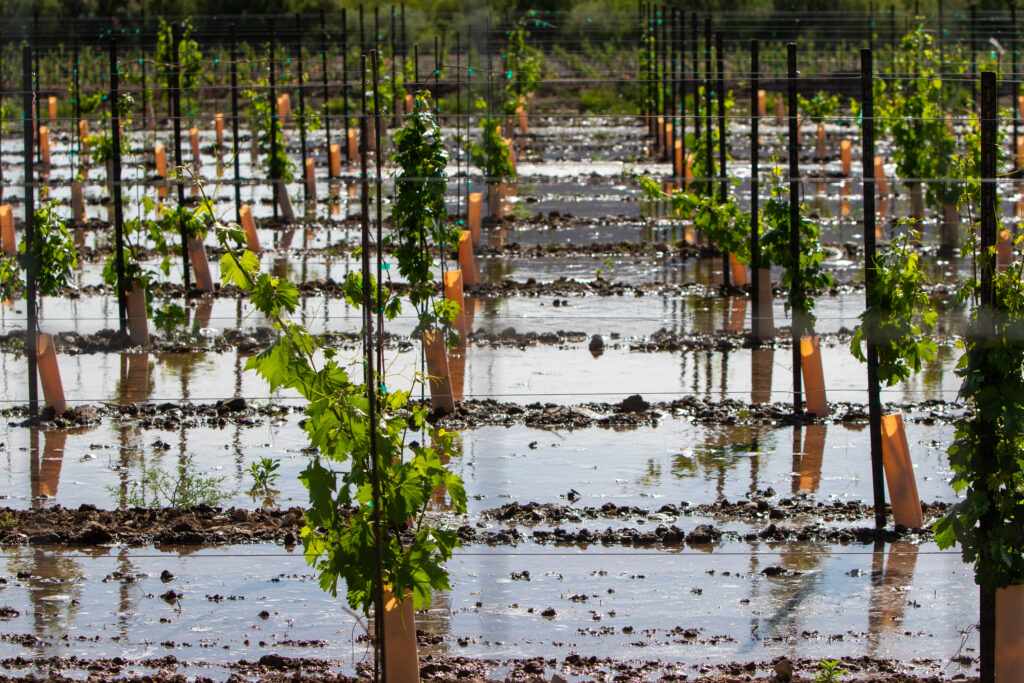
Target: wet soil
point(631, 412)
point(201, 525)
point(780, 519)
point(833, 523)
point(274, 668)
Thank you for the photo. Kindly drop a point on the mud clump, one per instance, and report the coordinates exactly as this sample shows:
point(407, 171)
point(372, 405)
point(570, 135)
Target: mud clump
point(202, 525)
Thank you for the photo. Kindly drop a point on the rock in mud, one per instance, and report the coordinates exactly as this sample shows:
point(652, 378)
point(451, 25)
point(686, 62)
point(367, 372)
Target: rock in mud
point(634, 404)
point(704, 533)
point(93, 534)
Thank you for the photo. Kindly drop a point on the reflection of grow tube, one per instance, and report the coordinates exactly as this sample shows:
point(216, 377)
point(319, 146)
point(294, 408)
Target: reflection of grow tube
point(138, 324)
point(47, 478)
point(467, 262)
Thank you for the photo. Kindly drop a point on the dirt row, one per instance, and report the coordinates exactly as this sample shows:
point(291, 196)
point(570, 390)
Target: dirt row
point(276, 668)
point(254, 340)
point(632, 412)
point(788, 519)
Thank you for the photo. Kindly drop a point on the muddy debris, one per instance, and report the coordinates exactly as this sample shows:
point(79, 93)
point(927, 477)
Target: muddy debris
point(202, 525)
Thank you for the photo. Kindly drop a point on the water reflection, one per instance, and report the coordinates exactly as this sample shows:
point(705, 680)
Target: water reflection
point(54, 586)
point(889, 586)
point(761, 363)
point(811, 457)
point(136, 383)
point(45, 468)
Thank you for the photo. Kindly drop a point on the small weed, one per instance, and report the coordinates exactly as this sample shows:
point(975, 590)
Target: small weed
point(830, 671)
point(7, 522)
point(183, 488)
point(520, 211)
point(263, 473)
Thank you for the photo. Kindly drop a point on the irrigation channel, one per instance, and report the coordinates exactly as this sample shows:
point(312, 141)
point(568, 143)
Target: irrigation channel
point(656, 486)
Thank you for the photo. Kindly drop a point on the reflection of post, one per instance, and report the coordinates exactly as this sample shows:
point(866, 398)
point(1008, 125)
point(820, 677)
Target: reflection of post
point(134, 377)
point(813, 454)
point(737, 313)
point(47, 477)
point(888, 594)
point(457, 367)
point(204, 311)
point(797, 451)
point(761, 361)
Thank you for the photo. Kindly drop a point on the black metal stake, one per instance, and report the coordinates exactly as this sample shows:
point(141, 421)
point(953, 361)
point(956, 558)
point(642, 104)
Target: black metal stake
point(323, 64)
point(755, 244)
point(344, 73)
point(176, 118)
point(989, 225)
point(234, 124)
point(301, 118)
point(272, 95)
point(709, 151)
point(723, 185)
point(30, 223)
point(115, 188)
point(794, 226)
point(870, 272)
point(682, 95)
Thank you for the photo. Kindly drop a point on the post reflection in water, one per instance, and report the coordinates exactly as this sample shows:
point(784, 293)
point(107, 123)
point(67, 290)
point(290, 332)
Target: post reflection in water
point(786, 594)
point(887, 601)
point(135, 384)
point(737, 313)
point(811, 459)
point(761, 362)
point(204, 311)
point(45, 468)
point(458, 355)
point(54, 589)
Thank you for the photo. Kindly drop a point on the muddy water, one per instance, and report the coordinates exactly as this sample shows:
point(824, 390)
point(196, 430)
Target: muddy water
point(898, 601)
point(623, 319)
point(580, 170)
point(542, 373)
point(645, 466)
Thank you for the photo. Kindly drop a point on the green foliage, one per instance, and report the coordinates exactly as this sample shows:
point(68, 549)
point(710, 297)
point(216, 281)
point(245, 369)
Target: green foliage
point(269, 129)
point(101, 147)
point(263, 472)
point(705, 159)
point(419, 211)
point(340, 531)
point(820, 107)
point(169, 318)
point(829, 671)
point(808, 265)
point(899, 317)
point(922, 145)
point(987, 454)
point(523, 65)
point(724, 224)
point(53, 255)
point(185, 488)
point(492, 154)
point(190, 62)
